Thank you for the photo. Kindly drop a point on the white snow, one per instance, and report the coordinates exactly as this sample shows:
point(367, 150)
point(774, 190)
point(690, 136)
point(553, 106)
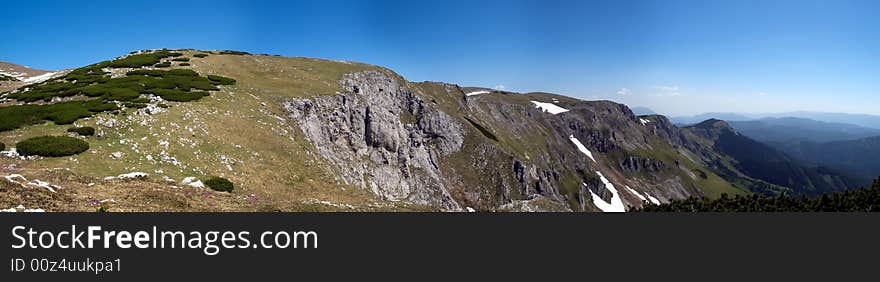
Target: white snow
point(470, 209)
point(652, 199)
point(132, 175)
point(39, 78)
point(549, 107)
point(649, 199)
point(581, 147)
point(616, 204)
point(644, 121)
point(475, 93)
point(634, 192)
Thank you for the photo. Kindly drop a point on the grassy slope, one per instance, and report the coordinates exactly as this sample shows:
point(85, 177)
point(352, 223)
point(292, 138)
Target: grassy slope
point(232, 134)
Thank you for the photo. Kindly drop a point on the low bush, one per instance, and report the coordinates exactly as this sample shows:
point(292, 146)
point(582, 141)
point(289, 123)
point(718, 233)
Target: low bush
point(184, 64)
point(178, 95)
point(51, 146)
point(162, 65)
point(180, 59)
point(61, 113)
point(200, 55)
point(219, 184)
point(220, 80)
point(139, 60)
point(2, 146)
point(82, 131)
point(231, 52)
point(179, 85)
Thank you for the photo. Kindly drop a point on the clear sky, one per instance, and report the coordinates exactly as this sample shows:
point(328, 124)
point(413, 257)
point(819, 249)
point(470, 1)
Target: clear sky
point(676, 57)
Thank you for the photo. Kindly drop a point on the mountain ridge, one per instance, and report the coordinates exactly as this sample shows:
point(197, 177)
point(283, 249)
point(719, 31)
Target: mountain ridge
point(308, 134)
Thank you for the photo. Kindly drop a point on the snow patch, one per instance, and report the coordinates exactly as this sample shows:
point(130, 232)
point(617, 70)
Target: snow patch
point(652, 199)
point(475, 93)
point(644, 121)
point(649, 198)
point(581, 147)
point(634, 192)
point(616, 204)
point(549, 107)
point(39, 78)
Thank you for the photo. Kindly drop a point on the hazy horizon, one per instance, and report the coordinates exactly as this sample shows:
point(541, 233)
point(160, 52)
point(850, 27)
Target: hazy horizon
point(677, 57)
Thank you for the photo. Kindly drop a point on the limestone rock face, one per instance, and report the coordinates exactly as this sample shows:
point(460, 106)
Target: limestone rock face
point(382, 136)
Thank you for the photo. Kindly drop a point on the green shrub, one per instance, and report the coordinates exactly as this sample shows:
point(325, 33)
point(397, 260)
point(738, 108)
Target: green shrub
point(231, 52)
point(219, 80)
point(2, 146)
point(175, 54)
point(180, 85)
point(180, 59)
point(61, 113)
point(139, 60)
point(83, 131)
point(162, 65)
point(51, 146)
point(184, 64)
point(178, 95)
point(219, 184)
point(200, 55)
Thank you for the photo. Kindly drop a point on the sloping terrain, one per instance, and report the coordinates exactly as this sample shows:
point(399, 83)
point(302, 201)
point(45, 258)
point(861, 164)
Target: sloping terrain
point(299, 134)
point(761, 168)
point(858, 157)
point(13, 76)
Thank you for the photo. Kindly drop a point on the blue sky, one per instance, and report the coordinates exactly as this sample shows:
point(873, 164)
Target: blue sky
point(677, 57)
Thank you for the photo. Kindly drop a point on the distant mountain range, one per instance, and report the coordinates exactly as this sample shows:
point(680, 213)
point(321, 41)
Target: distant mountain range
point(770, 169)
point(791, 129)
point(863, 120)
point(841, 146)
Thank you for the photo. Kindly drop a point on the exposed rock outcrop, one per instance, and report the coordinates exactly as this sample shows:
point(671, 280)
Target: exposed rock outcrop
point(382, 136)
